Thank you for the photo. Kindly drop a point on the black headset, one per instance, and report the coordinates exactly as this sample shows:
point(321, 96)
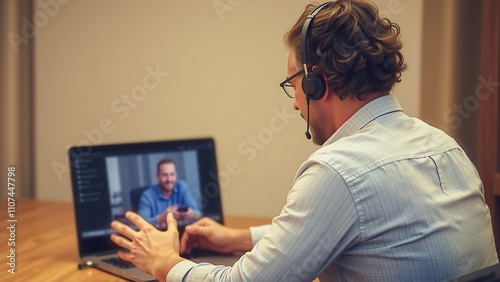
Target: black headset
point(313, 85)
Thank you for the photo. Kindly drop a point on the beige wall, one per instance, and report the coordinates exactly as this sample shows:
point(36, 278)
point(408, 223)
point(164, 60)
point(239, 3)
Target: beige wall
point(453, 86)
point(217, 75)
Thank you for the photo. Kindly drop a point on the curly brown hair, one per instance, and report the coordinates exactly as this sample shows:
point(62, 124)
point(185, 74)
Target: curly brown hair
point(356, 50)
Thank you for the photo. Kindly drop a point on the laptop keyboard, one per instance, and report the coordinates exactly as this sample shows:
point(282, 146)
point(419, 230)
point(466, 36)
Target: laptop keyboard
point(118, 262)
point(123, 264)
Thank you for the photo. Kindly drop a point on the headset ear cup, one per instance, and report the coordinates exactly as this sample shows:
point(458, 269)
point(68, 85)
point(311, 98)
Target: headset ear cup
point(314, 86)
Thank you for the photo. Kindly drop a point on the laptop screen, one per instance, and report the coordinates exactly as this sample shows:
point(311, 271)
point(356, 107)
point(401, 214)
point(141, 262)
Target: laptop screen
point(109, 180)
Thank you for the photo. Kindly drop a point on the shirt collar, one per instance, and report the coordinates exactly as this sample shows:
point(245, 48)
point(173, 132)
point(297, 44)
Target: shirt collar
point(369, 112)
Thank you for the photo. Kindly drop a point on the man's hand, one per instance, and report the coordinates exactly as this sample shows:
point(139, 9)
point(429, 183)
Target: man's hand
point(151, 250)
point(188, 214)
point(163, 216)
point(208, 234)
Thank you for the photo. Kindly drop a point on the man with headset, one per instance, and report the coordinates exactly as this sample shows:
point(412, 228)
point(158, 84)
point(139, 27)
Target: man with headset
point(386, 198)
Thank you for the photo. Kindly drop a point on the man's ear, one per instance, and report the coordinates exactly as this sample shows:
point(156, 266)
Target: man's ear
point(327, 87)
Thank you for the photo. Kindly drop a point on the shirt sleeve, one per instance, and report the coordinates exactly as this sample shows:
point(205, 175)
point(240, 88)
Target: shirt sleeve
point(318, 222)
point(257, 232)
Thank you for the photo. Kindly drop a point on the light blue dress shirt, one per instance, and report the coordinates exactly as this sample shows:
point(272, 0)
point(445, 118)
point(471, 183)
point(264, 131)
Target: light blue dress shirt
point(386, 198)
point(153, 203)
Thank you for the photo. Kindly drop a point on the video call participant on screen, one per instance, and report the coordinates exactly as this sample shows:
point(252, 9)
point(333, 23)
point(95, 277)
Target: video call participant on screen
point(169, 195)
point(387, 197)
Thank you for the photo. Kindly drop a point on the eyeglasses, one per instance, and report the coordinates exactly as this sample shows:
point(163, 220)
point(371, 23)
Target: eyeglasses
point(287, 87)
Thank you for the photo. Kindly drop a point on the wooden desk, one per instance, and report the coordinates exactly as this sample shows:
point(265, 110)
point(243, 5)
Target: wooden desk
point(46, 247)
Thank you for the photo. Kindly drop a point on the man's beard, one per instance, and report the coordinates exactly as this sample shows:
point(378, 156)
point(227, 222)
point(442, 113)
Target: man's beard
point(164, 187)
point(316, 133)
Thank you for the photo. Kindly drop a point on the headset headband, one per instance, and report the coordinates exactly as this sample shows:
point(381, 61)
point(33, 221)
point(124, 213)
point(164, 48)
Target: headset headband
point(305, 30)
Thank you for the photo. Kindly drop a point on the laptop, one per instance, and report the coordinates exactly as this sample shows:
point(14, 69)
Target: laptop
point(108, 181)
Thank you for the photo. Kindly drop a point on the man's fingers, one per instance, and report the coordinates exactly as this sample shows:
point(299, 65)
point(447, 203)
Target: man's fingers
point(125, 256)
point(137, 220)
point(190, 239)
point(171, 222)
point(184, 248)
point(123, 229)
point(196, 229)
point(187, 242)
point(122, 242)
